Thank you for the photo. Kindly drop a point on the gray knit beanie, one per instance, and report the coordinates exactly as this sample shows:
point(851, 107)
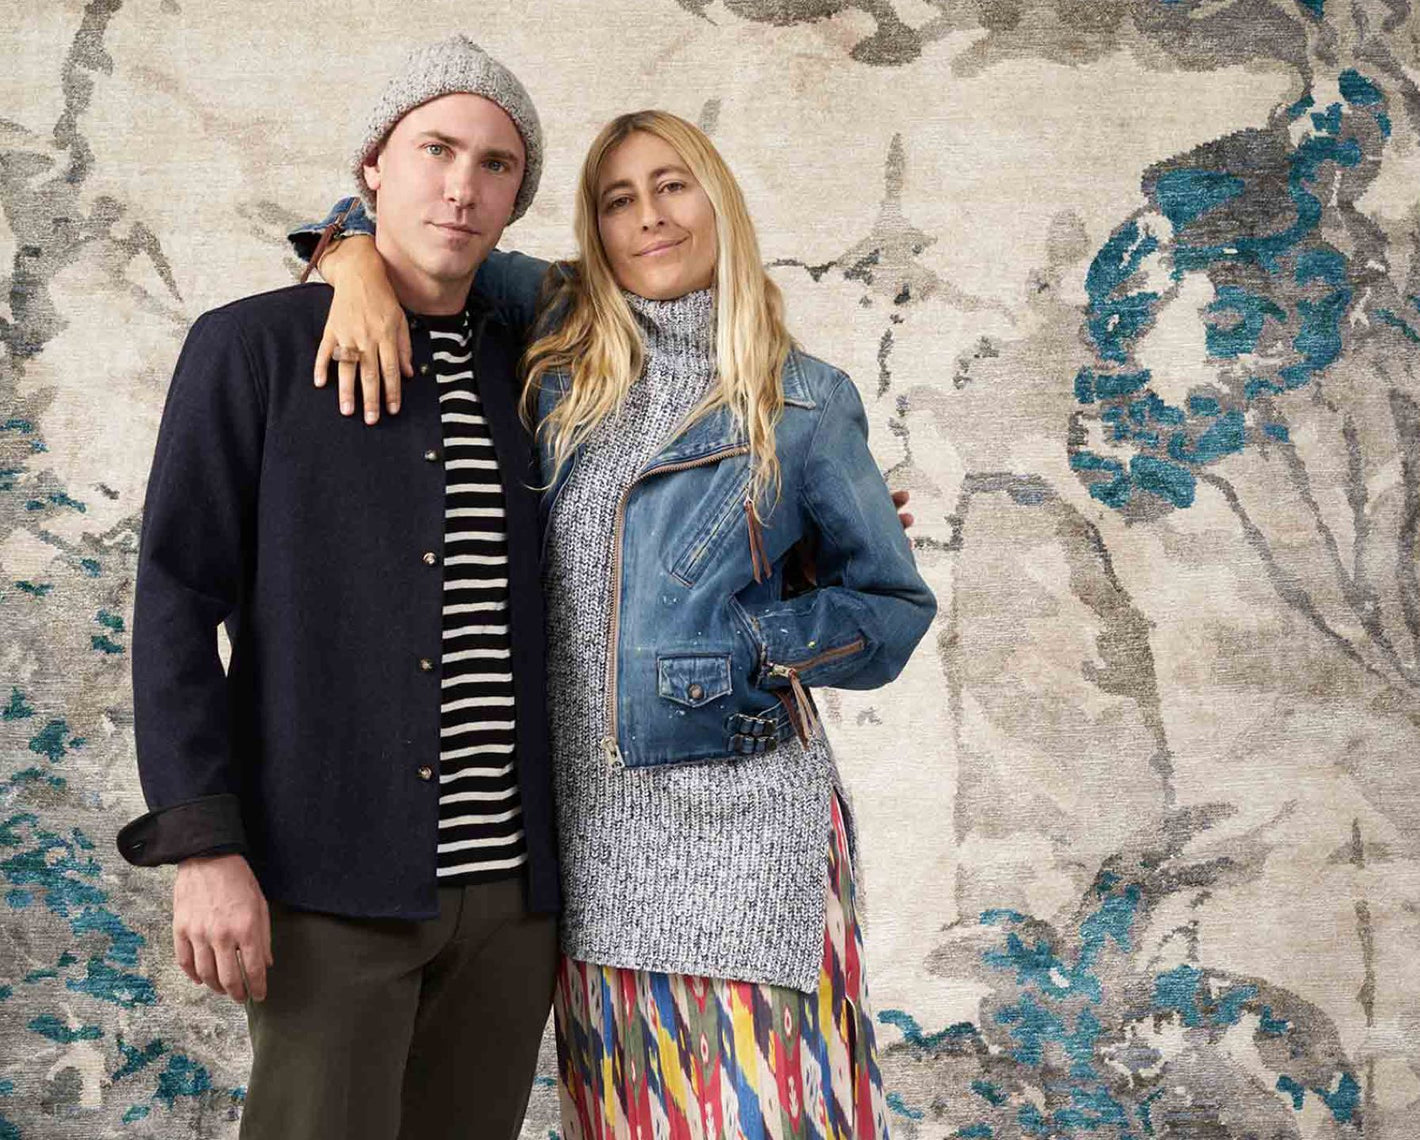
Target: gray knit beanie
point(451, 66)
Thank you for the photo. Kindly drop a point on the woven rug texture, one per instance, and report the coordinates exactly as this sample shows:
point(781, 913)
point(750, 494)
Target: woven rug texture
point(1131, 290)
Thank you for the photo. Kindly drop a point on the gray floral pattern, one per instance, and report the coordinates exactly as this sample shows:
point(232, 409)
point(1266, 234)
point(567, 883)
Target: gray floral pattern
point(1141, 825)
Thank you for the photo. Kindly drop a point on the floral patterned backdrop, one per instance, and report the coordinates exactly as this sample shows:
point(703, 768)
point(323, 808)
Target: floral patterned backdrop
point(1132, 291)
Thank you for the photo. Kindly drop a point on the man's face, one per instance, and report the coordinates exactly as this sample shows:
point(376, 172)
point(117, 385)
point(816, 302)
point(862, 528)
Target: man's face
point(445, 181)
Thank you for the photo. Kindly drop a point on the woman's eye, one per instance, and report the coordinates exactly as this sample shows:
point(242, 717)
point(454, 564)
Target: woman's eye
point(617, 203)
point(672, 186)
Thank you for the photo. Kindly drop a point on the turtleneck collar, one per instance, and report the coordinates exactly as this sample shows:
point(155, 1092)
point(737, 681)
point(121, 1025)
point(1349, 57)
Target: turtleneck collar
point(681, 327)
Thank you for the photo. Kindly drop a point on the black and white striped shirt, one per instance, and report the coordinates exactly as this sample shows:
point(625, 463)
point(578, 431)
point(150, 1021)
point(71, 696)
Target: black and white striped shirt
point(480, 815)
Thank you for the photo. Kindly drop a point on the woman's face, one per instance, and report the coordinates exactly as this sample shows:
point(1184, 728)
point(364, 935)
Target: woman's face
point(656, 222)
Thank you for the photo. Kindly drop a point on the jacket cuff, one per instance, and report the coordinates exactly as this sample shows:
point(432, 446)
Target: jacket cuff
point(304, 239)
point(777, 631)
point(211, 825)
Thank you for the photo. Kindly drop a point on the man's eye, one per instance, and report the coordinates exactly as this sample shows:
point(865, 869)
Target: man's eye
point(497, 165)
point(434, 149)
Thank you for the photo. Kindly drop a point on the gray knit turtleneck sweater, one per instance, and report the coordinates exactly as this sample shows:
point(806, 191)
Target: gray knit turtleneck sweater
point(715, 869)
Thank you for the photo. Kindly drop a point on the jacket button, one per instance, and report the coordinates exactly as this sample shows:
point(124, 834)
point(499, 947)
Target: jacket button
point(423, 370)
point(431, 455)
point(426, 772)
point(430, 558)
point(695, 692)
point(426, 665)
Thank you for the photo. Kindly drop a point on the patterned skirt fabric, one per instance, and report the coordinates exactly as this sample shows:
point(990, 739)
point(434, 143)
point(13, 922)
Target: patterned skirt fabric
point(652, 1056)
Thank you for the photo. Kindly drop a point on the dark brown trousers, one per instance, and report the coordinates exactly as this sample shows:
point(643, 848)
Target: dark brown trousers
point(383, 1029)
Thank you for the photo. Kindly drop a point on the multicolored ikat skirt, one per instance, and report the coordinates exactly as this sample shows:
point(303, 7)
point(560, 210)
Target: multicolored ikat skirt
point(652, 1056)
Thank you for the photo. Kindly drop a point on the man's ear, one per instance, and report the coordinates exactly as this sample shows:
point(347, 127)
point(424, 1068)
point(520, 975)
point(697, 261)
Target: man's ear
point(374, 168)
point(372, 171)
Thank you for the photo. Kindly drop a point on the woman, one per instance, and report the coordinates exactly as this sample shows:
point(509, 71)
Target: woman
point(711, 982)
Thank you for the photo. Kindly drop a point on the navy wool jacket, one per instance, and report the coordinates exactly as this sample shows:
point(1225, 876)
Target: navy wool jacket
point(318, 542)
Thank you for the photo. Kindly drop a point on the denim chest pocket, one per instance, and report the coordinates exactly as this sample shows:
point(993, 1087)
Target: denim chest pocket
point(693, 679)
point(717, 521)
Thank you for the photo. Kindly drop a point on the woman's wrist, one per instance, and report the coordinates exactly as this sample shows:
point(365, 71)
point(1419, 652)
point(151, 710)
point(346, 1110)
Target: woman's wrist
point(343, 252)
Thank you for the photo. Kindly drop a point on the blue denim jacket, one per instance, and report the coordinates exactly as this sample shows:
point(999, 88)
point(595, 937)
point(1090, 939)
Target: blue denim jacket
point(712, 653)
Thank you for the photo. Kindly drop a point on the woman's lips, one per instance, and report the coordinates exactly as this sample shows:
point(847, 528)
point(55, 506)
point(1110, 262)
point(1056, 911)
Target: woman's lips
point(659, 247)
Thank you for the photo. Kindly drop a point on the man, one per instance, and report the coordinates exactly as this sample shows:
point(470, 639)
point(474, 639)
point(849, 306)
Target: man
point(362, 801)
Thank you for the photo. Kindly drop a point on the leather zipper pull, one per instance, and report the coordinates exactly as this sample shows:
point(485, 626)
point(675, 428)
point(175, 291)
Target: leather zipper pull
point(806, 706)
point(326, 237)
point(806, 722)
point(758, 559)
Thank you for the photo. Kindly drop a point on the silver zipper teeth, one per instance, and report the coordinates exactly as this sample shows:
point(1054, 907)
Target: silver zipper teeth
point(615, 761)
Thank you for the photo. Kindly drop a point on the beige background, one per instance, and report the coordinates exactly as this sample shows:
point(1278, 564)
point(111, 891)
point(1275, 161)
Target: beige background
point(1218, 704)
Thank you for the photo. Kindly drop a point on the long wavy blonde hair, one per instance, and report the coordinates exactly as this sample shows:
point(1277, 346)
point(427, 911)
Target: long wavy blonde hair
point(596, 338)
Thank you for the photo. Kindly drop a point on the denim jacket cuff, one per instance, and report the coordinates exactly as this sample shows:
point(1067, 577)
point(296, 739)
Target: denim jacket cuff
point(304, 238)
point(784, 657)
point(811, 664)
point(210, 825)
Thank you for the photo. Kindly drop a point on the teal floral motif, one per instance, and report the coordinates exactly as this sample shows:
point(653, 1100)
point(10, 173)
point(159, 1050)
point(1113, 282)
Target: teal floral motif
point(17, 709)
point(1252, 216)
point(1089, 1031)
point(49, 741)
point(57, 880)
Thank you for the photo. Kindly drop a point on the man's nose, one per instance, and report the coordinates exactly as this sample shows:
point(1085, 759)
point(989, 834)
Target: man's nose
point(461, 185)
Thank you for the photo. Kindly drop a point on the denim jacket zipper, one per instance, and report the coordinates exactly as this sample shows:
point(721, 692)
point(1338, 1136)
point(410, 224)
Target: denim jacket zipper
point(807, 724)
point(610, 749)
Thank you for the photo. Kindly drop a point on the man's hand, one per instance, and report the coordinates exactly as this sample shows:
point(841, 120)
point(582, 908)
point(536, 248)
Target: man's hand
point(366, 329)
point(218, 909)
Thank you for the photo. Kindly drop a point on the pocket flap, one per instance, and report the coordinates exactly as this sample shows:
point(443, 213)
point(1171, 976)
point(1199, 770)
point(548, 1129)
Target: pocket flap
point(693, 679)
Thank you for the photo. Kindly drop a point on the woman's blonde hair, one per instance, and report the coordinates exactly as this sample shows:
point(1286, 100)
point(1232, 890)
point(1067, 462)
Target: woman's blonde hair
point(596, 338)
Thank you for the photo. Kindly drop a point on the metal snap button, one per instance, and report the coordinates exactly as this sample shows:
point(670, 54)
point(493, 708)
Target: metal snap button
point(426, 772)
point(430, 558)
point(426, 664)
point(695, 692)
point(431, 455)
point(423, 370)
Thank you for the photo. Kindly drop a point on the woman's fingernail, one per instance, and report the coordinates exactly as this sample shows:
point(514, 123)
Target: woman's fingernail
point(346, 407)
point(394, 407)
point(371, 417)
